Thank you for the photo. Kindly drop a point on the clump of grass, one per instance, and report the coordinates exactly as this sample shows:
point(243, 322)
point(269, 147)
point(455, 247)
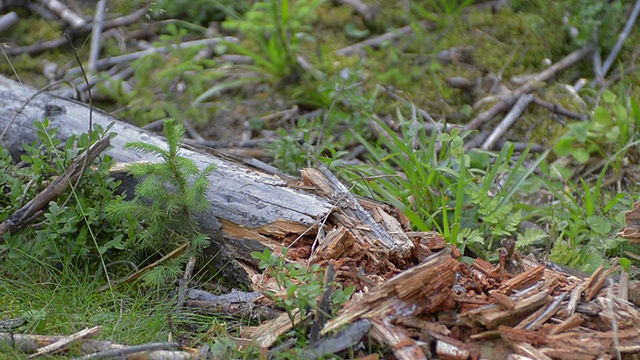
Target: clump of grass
point(468, 197)
point(68, 301)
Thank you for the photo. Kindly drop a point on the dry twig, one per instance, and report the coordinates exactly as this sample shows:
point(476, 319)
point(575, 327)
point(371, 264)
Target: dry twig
point(96, 34)
point(547, 74)
point(111, 61)
point(7, 21)
point(621, 38)
point(76, 21)
point(65, 342)
point(20, 218)
point(508, 120)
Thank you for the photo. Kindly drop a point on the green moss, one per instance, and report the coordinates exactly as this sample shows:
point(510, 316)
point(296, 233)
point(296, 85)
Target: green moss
point(538, 126)
point(29, 69)
point(504, 44)
point(125, 6)
point(392, 15)
point(332, 21)
point(33, 29)
point(335, 17)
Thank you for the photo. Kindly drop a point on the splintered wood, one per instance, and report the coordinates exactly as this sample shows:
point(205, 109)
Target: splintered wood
point(364, 239)
point(451, 310)
point(631, 231)
point(425, 287)
point(546, 314)
point(350, 213)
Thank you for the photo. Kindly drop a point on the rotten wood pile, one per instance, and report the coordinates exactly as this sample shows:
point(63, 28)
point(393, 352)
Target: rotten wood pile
point(451, 310)
point(518, 309)
point(447, 309)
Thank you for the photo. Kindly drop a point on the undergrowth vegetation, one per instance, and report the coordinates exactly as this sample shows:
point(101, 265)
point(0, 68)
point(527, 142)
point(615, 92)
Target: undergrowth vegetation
point(94, 221)
point(64, 235)
point(386, 122)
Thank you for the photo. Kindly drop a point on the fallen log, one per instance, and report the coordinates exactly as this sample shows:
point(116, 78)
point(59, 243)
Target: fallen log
point(251, 209)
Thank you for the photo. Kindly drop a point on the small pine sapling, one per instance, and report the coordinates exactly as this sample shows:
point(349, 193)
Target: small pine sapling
point(167, 199)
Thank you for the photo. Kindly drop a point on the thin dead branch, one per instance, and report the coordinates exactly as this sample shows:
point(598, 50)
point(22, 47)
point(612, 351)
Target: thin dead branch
point(558, 109)
point(96, 35)
point(7, 21)
point(153, 350)
point(374, 42)
point(65, 341)
point(508, 120)
point(109, 62)
point(621, 39)
point(76, 21)
point(508, 100)
point(20, 218)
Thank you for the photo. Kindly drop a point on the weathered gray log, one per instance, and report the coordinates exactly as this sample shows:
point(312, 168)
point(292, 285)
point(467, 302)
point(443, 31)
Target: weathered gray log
point(250, 209)
point(239, 196)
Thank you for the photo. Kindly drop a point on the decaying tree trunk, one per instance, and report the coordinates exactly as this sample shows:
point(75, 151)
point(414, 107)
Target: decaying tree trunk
point(250, 209)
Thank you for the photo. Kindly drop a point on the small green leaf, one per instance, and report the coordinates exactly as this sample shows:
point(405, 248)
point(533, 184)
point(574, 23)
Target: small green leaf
point(602, 116)
point(581, 155)
point(599, 224)
point(625, 263)
point(609, 97)
point(564, 146)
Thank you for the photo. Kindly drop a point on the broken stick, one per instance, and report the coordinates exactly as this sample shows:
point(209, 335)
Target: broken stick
point(547, 74)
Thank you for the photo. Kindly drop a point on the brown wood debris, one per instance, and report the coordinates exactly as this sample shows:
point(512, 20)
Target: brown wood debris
point(425, 287)
point(451, 310)
point(597, 281)
point(631, 231)
point(522, 280)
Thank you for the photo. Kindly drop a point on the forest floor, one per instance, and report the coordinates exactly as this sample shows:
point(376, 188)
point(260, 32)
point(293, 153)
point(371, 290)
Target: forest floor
point(503, 135)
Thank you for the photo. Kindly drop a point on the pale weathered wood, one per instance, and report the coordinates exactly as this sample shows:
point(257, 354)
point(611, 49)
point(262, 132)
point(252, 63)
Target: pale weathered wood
point(396, 338)
point(261, 204)
point(268, 332)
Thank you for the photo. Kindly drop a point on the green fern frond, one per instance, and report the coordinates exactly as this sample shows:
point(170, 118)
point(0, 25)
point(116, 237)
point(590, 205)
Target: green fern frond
point(530, 237)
